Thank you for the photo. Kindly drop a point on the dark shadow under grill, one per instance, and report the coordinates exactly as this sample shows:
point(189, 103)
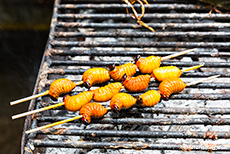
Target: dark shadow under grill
point(98, 33)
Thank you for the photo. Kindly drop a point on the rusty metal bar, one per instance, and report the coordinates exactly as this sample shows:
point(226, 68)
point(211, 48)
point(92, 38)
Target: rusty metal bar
point(200, 16)
point(138, 134)
point(147, 121)
point(155, 25)
point(196, 53)
point(124, 6)
point(144, 34)
point(182, 110)
point(130, 145)
point(224, 45)
point(164, 63)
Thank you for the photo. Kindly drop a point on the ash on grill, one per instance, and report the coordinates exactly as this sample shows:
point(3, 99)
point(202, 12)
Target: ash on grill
point(98, 33)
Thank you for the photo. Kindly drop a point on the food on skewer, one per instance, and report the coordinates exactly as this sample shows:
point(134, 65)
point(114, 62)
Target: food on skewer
point(136, 84)
point(176, 85)
point(149, 99)
point(95, 75)
point(148, 64)
point(105, 93)
point(58, 87)
point(92, 110)
point(95, 110)
point(164, 72)
point(117, 72)
point(88, 111)
point(74, 103)
point(122, 101)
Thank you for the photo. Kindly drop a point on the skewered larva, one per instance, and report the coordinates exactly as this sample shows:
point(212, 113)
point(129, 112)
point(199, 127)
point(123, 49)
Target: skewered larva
point(149, 99)
point(122, 101)
point(117, 72)
point(74, 103)
point(148, 64)
point(92, 110)
point(105, 93)
point(60, 86)
point(162, 73)
point(169, 86)
point(95, 75)
point(136, 84)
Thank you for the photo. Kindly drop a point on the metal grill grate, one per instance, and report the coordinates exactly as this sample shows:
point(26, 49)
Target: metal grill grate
point(97, 33)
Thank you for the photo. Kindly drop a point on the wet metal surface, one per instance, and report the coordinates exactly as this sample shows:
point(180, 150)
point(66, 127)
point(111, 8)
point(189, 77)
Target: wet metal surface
point(87, 34)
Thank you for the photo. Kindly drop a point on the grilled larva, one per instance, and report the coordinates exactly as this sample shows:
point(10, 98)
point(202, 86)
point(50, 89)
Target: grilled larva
point(149, 99)
point(122, 101)
point(95, 75)
point(148, 64)
point(60, 86)
point(92, 110)
point(162, 73)
point(74, 103)
point(117, 72)
point(169, 86)
point(136, 84)
point(105, 93)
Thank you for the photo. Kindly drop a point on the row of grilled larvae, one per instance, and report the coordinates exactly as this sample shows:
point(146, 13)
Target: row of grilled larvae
point(118, 101)
point(148, 65)
point(100, 75)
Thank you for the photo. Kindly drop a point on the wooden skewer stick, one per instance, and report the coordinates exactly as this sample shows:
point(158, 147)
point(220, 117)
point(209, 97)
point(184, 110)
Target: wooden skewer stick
point(202, 80)
point(56, 123)
point(37, 110)
point(35, 96)
point(53, 124)
point(192, 68)
point(29, 98)
point(176, 54)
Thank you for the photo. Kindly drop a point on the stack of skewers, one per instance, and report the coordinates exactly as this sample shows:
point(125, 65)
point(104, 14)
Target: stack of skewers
point(122, 75)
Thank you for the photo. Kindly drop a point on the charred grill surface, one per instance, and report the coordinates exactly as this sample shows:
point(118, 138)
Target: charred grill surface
point(98, 33)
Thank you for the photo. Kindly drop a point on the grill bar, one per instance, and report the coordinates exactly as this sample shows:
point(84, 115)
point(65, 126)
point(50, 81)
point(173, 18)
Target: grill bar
point(145, 134)
point(124, 6)
point(145, 34)
point(164, 63)
point(155, 121)
point(132, 145)
point(146, 16)
point(222, 45)
point(155, 25)
point(210, 53)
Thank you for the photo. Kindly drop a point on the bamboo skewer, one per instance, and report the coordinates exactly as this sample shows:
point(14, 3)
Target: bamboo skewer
point(202, 80)
point(56, 123)
point(29, 98)
point(53, 124)
point(36, 96)
point(176, 54)
point(192, 68)
point(37, 110)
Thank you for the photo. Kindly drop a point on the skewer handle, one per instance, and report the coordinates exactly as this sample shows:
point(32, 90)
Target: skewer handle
point(36, 111)
point(192, 68)
point(202, 80)
point(176, 54)
point(53, 124)
point(29, 98)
